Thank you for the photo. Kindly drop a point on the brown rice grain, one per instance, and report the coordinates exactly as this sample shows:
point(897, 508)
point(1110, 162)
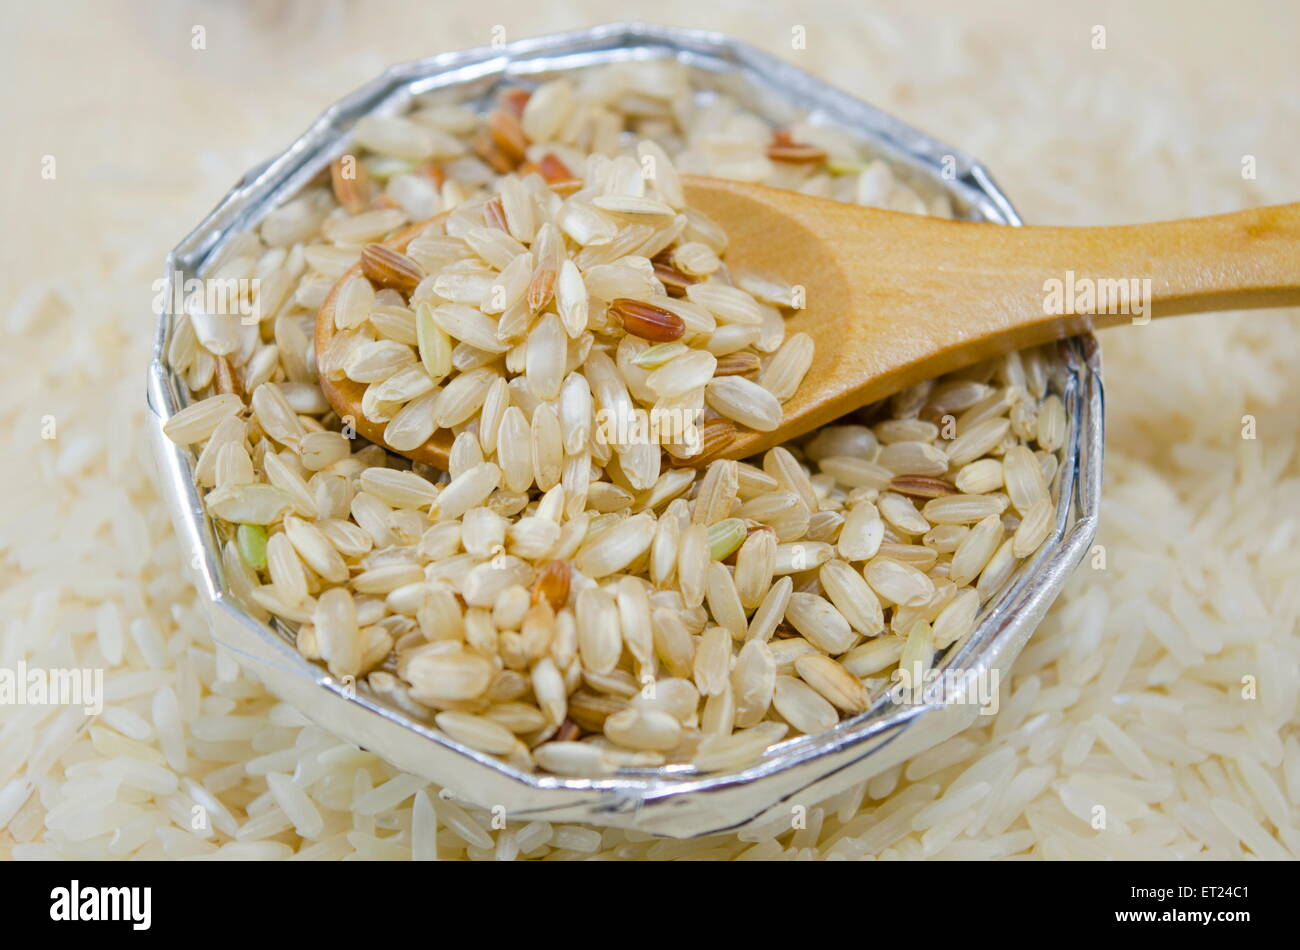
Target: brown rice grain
point(833, 682)
point(975, 550)
point(801, 706)
point(818, 620)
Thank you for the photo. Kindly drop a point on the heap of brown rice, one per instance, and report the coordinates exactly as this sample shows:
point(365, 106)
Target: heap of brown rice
point(563, 596)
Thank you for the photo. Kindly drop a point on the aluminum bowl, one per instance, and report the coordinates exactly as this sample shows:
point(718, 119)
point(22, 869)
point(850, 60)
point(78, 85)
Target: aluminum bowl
point(674, 801)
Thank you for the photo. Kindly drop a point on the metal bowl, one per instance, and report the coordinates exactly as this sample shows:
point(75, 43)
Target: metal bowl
point(675, 801)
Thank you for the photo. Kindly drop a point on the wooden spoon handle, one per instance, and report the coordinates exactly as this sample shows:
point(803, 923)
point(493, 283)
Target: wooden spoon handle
point(1026, 285)
point(1017, 287)
point(1246, 259)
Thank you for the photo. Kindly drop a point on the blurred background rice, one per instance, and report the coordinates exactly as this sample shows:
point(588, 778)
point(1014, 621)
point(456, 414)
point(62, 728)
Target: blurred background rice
point(1163, 686)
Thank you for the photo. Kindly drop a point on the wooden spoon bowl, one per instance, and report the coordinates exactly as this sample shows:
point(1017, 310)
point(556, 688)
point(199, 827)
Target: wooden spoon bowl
point(345, 394)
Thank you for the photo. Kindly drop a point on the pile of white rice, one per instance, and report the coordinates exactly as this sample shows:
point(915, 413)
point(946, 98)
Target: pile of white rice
point(1152, 715)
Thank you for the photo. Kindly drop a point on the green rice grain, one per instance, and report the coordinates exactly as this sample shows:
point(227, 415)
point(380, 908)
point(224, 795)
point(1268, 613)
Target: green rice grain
point(251, 541)
point(725, 536)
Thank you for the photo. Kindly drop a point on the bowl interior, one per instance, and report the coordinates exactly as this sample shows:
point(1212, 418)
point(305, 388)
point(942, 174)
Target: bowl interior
point(779, 93)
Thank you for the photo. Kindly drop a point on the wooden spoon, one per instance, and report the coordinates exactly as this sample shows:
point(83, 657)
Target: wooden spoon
point(892, 299)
